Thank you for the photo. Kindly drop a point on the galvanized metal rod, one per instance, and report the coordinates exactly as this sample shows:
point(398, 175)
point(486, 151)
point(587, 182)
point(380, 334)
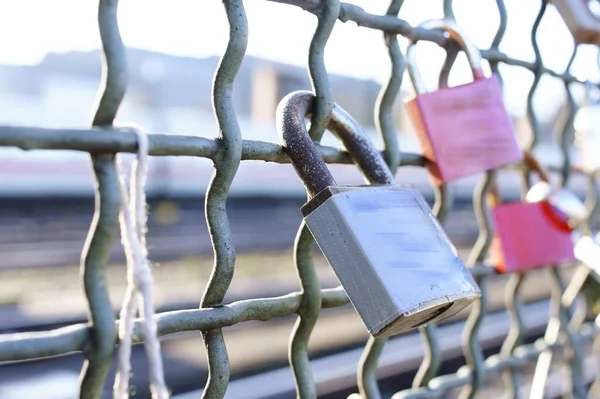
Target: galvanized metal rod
point(309, 281)
point(384, 105)
point(103, 229)
point(432, 359)
point(226, 163)
point(574, 355)
point(494, 64)
point(392, 24)
point(595, 387)
point(591, 200)
point(574, 363)
point(113, 141)
point(543, 362)
point(558, 323)
point(513, 302)
point(558, 320)
point(319, 79)
point(472, 348)
point(538, 72)
point(308, 313)
point(448, 10)
point(366, 373)
point(78, 337)
point(494, 364)
point(564, 136)
point(515, 335)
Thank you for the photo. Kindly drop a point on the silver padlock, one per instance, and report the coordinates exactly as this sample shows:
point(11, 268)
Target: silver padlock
point(389, 252)
point(587, 131)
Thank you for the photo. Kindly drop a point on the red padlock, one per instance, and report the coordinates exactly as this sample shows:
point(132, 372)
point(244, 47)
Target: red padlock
point(530, 235)
point(465, 129)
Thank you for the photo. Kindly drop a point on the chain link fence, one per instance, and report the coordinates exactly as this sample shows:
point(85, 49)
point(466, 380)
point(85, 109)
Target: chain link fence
point(567, 331)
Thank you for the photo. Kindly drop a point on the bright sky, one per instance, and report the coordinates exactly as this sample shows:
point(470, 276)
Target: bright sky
point(31, 28)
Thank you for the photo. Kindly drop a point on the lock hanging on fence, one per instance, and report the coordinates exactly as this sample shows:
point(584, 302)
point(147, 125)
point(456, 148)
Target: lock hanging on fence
point(580, 20)
point(389, 252)
point(537, 232)
point(462, 130)
point(571, 214)
point(564, 207)
point(587, 130)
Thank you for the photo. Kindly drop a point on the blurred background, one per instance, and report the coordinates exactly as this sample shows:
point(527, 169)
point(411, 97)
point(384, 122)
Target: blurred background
point(50, 66)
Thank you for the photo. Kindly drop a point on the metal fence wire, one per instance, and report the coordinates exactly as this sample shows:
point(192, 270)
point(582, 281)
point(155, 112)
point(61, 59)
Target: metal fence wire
point(567, 331)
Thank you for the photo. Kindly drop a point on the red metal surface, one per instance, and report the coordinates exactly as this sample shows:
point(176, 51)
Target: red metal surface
point(527, 237)
point(464, 130)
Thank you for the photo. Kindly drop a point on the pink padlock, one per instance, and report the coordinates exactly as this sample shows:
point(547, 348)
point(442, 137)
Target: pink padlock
point(462, 130)
point(530, 235)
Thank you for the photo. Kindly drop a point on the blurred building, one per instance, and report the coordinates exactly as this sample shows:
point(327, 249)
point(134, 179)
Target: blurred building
point(165, 94)
point(172, 94)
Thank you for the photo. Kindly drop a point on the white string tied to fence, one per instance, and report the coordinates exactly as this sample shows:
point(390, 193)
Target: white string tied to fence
point(140, 283)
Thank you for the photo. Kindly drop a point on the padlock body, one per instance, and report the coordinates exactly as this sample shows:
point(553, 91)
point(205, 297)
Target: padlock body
point(391, 255)
point(464, 130)
point(528, 237)
point(580, 20)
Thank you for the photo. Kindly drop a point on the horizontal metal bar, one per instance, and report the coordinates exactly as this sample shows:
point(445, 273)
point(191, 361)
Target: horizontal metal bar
point(401, 354)
point(392, 24)
point(113, 140)
point(556, 388)
point(95, 140)
point(62, 341)
point(496, 363)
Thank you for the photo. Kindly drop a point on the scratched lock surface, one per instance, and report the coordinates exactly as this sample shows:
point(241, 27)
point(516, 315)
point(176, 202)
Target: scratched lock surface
point(396, 263)
point(97, 339)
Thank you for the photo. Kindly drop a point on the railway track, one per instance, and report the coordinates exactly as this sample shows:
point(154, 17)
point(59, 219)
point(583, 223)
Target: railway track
point(46, 241)
point(335, 374)
point(336, 344)
point(256, 227)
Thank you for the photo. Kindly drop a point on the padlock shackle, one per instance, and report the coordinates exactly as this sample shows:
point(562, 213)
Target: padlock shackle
point(532, 164)
point(306, 158)
point(560, 199)
point(454, 32)
point(560, 214)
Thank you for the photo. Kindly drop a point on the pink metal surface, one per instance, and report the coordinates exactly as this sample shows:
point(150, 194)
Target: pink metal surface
point(464, 130)
point(528, 237)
